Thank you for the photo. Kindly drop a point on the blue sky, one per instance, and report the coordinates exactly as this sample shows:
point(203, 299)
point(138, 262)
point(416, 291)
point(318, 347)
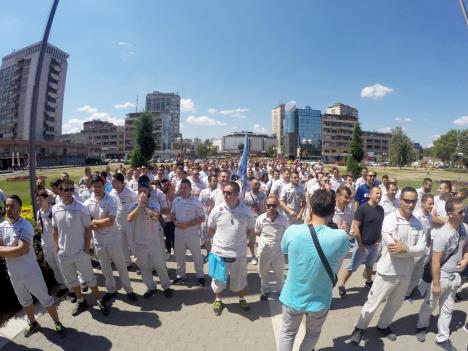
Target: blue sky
point(233, 61)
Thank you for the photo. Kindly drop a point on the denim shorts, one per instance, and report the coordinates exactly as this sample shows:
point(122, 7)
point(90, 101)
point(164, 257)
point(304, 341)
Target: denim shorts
point(368, 257)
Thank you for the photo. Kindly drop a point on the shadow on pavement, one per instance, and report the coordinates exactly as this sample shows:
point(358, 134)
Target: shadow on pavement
point(354, 297)
point(371, 341)
point(77, 340)
point(258, 309)
point(11, 345)
point(127, 318)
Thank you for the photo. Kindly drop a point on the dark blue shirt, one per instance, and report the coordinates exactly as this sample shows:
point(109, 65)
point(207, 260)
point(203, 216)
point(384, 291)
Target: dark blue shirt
point(362, 194)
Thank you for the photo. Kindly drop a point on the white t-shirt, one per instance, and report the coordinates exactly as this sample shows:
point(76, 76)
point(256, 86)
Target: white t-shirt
point(204, 198)
point(124, 200)
point(23, 266)
point(293, 196)
point(133, 185)
point(231, 226)
point(426, 221)
point(270, 232)
point(343, 217)
point(45, 218)
point(71, 222)
point(186, 210)
point(106, 207)
point(389, 206)
point(277, 186)
point(256, 202)
point(217, 196)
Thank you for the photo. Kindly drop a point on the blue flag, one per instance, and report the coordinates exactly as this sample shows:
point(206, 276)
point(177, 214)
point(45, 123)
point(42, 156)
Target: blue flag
point(242, 171)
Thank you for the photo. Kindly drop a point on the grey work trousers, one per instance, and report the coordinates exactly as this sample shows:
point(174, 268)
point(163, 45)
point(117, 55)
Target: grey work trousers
point(291, 320)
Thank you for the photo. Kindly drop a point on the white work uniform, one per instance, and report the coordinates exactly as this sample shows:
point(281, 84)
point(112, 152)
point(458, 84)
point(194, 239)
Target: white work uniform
point(204, 198)
point(420, 192)
point(269, 249)
point(197, 186)
point(124, 199)
point(393, 270)
point(294, 198)
point(217, 196)
point(439, 209)
point(426, 221)
point(149, 250)
point(48, 247)
point(71, 222)
point(108, 243)
point(24, 271)
point(186, 210)
point(445, 241)
point(388, 205)
point(231, 226)
point(133, 185)
point(277, 186)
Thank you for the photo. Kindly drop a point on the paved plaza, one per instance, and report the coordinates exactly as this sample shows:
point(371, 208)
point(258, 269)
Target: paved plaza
point(186, 322)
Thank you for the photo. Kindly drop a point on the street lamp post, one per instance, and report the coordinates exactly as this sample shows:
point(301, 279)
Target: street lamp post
point(35, 95)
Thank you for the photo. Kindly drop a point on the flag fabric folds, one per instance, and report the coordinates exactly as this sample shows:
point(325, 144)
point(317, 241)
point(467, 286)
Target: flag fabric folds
point(242, 170)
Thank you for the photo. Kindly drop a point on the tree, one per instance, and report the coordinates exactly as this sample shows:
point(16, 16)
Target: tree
point(446, 145)
point(355, 152)
point(401, 148)
point(144, 140)
point(206, 149)
point(271, 151)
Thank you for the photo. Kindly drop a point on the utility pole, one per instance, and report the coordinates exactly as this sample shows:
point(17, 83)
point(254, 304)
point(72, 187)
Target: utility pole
point(35, 95)
point(465, 15)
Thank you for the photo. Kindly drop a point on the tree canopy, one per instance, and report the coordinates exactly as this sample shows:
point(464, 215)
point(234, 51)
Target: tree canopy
point(401, 148)
point(144, 140)
point(206, 149)
point(355, 152)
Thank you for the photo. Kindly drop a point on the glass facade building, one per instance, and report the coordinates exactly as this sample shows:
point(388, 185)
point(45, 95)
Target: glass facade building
point(309, 129)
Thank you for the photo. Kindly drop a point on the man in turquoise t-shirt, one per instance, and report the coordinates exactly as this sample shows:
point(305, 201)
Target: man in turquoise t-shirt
point(308, 287)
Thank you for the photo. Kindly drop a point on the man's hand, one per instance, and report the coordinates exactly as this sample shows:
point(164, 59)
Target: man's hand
point(461, 265)
point(142, 200)
point(299, 217)
point(435, 289)
point(345, 227)
point(180, 225)
point(93, 226)
point(397, 247)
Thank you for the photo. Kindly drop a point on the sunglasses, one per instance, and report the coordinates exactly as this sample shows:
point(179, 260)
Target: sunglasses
point(68, 190)
point(271, 205)
point(409, 201)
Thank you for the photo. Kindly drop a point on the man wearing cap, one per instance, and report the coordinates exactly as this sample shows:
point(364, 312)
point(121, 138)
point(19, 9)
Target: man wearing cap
point(146, 240)
point(187, 213)
point(231, 225)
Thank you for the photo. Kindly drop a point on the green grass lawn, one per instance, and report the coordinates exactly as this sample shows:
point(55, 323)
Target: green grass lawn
point(406, 177)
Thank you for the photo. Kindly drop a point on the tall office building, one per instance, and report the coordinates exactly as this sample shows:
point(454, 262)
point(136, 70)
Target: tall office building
point(168, 105)
point(342, 109)
point(17, 75)
point(277, 118)
point(336, 131)
point(309, 130)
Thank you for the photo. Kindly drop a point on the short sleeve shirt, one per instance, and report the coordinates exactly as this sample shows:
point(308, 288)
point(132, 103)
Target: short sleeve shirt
point(293, 196)
point(45, 219)
point(146, 230)
point(445, 240)
point(362, 194)
point(231, 226)
point(271, 232)
point(371, 219)
point(71, 222)
point(217, 196)
point(19, 267)
point(204, 198)
point(106, 207)
point(255, 202)
point(186, 210)
point(124, 200)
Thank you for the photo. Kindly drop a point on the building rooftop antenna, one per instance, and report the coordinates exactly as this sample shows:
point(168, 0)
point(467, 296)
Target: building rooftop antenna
point(465, 15)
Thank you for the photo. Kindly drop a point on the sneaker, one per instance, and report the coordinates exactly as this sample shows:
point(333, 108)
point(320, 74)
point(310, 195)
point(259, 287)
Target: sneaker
point(446, 345)
point(31, 329)
point(149, 293)
point(95, 264)
point(108, 296)
point(59, 329)
point(356, 336)
point(61, 292)
point(72, 297)
point(244, 306)
point(421, 334)
point(84, 288)
point(218, 307)
point(342, 291)
point(138, 271)
point(387, 332)
point(254, 260)
point(132, 296)
point(202, 282)
point(179, 280)
point(264, 297)
point(368, 284)
point(79, 307)
point(130, 267)
point(167, 293)
point(409, 299)
point(103, 307)
point(458, 297)
point(465, 328)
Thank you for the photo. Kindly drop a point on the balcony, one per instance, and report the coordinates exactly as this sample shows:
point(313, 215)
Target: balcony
point(54, 76)
point(53, 85)
point(52, 94)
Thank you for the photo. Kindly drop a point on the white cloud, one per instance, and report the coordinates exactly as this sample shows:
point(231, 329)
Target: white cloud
point(125, 48)
point(399, 119)
point(124, 105)
point(204, 121)
point(259, 129)
point(375, 91)
point(385, 130)
point(187, 105)
point(462, 121)
point(431, 140)
point(212, 110)
point(235, 113)
point(87, 109)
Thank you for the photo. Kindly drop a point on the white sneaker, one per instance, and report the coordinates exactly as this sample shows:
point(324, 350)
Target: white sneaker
point(253, 261)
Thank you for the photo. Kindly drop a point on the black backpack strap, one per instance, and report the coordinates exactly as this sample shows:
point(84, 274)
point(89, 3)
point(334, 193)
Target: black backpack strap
point(324, 260)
